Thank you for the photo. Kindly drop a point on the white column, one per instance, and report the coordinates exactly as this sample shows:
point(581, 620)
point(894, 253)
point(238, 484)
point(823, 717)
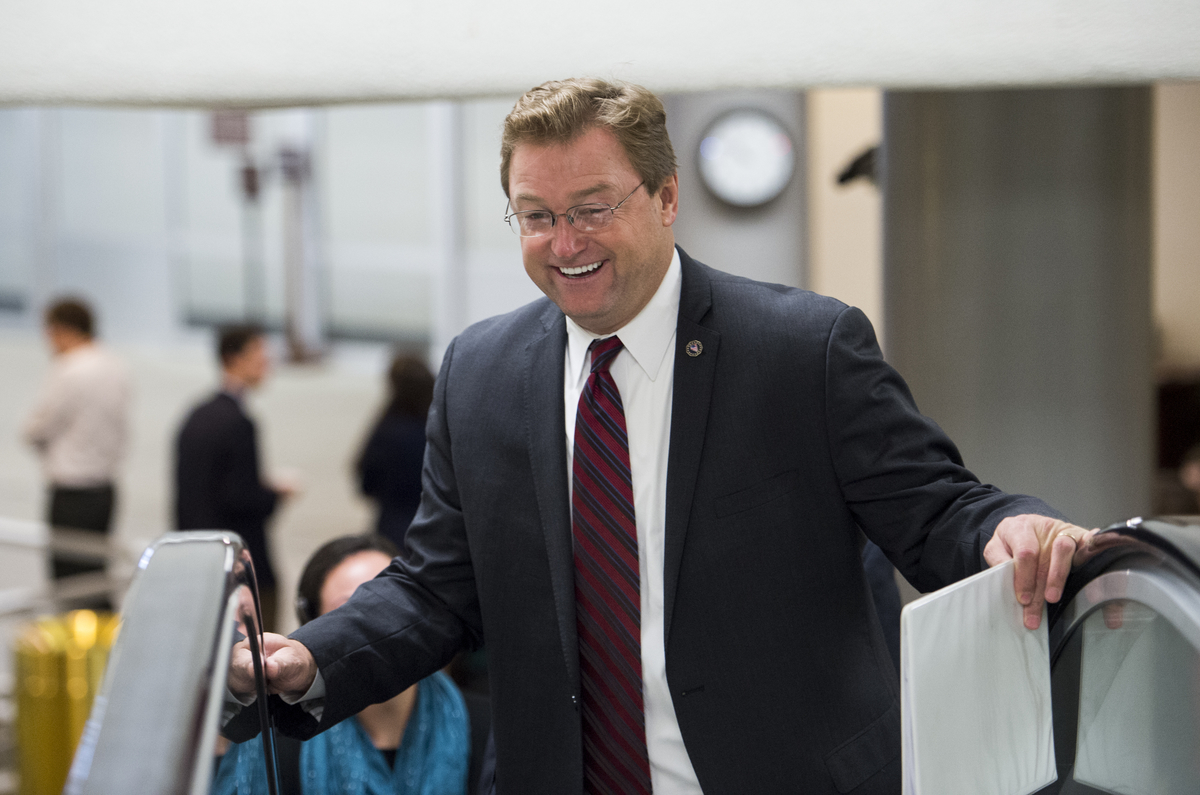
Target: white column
point(47, 165)
point(303, 319)
point(446, 195)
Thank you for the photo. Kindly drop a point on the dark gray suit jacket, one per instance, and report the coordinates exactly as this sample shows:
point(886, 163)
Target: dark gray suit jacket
point(217, 480)
point(788, 434)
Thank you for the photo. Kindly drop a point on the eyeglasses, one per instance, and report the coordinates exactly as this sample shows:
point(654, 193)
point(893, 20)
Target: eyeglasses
point(583, 217)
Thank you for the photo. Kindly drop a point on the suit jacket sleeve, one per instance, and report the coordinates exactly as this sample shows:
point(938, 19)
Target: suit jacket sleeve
point(901, 476)
point(410, 620)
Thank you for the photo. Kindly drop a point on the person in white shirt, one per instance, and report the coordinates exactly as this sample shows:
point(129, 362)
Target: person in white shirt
point(645, 495)
point(79, 428)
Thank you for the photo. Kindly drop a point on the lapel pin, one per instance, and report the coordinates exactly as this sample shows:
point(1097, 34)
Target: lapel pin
point(694, 348)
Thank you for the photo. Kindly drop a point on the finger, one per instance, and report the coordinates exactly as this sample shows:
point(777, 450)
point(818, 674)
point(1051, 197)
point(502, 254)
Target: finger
point(1025, 570)
point(241, 673)
point(283, 667)
point(1062, 554)
point(1016, 540)
point(1114, 614)
point(1033, 610)
point(995, 551)
point(288, 669)
point(273, 643)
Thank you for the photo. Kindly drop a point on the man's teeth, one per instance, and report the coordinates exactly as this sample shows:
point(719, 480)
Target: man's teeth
point(580, 270)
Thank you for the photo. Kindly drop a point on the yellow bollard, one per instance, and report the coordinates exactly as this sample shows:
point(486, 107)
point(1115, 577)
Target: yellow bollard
point(59, 666)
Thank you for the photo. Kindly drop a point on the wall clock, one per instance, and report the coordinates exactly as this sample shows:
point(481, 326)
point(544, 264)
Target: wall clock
point(746, 157)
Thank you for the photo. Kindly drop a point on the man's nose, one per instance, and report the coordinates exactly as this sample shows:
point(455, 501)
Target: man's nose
point(565, 240)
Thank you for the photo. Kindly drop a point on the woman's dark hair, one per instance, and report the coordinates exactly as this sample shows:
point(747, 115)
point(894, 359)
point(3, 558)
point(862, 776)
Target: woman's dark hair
point(411, 386)
point(327, 558)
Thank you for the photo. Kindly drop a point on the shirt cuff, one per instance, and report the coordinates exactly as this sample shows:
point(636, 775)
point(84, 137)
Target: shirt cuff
point(313, 700)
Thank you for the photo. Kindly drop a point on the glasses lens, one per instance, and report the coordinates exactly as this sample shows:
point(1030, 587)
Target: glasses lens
point(534, 223)
point(590, 217)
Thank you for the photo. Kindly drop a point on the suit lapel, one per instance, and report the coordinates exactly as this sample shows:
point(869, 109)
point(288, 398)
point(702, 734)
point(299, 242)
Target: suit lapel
point(546, 427)
point(689, 416)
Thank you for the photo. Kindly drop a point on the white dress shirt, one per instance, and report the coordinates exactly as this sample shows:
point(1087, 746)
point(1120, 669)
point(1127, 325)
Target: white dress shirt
point(645, 374)
point(79, 423)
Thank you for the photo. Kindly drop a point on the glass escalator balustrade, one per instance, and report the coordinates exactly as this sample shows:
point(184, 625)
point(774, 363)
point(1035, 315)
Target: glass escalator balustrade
point(1126, 670)
point(1139, 704)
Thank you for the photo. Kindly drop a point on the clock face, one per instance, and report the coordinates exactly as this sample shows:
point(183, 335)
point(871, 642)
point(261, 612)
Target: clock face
point(746, 158)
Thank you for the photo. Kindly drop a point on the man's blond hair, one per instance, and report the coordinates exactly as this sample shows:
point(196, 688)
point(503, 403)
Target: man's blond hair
point(559, 111)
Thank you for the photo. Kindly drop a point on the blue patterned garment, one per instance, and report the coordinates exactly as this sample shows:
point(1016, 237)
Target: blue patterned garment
point(432, 758)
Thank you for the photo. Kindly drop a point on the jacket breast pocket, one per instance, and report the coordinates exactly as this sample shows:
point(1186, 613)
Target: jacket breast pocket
point(759, 494)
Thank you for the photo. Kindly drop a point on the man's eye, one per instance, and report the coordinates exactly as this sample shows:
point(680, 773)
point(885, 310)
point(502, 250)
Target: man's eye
point(536, 217)
point(589, 213)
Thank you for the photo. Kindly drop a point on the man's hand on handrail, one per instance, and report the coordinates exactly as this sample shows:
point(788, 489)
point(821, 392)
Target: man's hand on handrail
point(1045, 550)
point(290, 667)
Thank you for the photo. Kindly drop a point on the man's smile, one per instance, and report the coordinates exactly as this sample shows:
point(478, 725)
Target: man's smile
point(581, 270)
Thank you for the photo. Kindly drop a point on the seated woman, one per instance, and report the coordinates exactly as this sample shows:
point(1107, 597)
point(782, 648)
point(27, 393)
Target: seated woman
point(417, 743)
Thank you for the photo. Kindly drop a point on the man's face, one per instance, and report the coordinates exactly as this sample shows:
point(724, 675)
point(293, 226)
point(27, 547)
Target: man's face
point(63, 338)
point(630, 256)
point(1189, 474)
point(250, 366)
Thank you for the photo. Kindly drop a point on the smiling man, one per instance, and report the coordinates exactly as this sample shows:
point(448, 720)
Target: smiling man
point(645, 493)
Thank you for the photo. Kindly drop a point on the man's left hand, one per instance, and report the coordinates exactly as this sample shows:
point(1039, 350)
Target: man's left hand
point(1045, 549)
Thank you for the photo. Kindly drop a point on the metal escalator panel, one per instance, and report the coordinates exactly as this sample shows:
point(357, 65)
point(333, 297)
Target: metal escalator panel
point(154, 723)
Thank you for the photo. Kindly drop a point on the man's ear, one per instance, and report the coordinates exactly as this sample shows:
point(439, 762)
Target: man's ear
point(668, 196)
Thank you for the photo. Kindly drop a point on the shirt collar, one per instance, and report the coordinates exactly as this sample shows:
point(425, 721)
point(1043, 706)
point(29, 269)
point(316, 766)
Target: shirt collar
point(238, 393)
point(647, 337)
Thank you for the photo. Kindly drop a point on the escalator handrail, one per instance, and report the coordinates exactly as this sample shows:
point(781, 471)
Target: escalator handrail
point(171, 656)
point(1175, 537)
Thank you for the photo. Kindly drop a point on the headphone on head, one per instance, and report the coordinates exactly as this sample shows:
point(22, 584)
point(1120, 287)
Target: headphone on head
point(305, 610)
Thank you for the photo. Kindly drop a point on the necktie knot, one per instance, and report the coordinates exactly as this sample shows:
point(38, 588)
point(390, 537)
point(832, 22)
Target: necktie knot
point(603, 353)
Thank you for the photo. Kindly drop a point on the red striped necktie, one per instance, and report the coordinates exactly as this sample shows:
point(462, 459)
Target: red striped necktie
point(607, 589)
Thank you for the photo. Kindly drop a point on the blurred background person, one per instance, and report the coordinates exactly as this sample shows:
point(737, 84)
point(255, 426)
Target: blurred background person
point(79, 428)
point(218, 480)
point(1189, 476)
point(389, 467)
point(417, 743)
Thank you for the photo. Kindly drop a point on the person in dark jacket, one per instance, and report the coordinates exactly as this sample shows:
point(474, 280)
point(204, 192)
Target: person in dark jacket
point(218, 480)
point(389, 467)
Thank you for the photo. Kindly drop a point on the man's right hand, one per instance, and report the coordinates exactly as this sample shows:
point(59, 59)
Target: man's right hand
point(290, 667)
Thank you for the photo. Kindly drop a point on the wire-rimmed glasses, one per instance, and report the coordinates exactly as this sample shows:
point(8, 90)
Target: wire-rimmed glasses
point(590, 217)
